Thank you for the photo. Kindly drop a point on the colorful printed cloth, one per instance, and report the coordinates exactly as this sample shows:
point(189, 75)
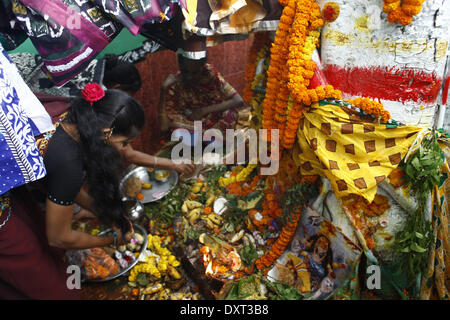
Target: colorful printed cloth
point(5, 209)
point(208, 18)
point(323, 258)
point(21, 118)
point(30, 68)
point(10, 38)
point(438, 273)
point(350, 148)
point(211, 89)
point(140, 54)
point(68, 34)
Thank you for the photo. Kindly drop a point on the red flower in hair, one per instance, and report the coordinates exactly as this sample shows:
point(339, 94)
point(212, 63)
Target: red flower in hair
point(92, 92)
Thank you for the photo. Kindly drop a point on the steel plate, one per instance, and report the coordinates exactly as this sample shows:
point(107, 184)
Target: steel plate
point(159, 189)
point(138, 229)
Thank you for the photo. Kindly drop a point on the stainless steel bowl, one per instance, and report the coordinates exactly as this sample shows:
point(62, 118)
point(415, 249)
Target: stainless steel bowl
point(159, 188)
point(138, 229)
point(161, 180)
point(134, 208)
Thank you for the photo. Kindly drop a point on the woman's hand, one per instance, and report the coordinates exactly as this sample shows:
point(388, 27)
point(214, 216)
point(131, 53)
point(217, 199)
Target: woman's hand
point(123, 239)
point(171, 78)
point(184, 168)
point(196, 114)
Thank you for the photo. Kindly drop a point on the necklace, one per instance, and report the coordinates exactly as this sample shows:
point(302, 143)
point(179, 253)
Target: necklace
point(71, 131)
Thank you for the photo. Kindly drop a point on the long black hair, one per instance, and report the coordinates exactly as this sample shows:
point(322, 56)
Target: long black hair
point(102, 162)
point(123, 73)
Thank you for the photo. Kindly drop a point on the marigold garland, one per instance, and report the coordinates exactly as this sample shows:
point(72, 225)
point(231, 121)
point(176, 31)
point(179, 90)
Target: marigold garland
point(291, 69)
point(280, 245)
point(371, 107)
point(242, 189)
point(275, 75)
point(402, 11)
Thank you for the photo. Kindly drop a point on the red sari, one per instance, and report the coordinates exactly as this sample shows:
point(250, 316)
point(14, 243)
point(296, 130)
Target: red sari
point(29, 267)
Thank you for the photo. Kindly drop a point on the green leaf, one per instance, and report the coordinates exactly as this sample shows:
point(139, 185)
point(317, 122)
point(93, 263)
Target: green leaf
point(416, 164)
point(415, 247)
point(405, 238)
point(419, 235)
point(142, 280)
point(249, 255)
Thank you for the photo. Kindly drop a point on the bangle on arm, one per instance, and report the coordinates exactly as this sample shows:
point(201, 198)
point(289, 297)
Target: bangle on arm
point(114, 238)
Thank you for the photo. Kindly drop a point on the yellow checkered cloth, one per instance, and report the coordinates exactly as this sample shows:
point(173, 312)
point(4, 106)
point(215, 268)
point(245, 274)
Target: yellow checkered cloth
point(352, 150)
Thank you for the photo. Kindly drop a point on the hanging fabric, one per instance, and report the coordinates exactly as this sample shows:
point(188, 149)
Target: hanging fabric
point(217, 18)
point(68, 35)
point(22, 117)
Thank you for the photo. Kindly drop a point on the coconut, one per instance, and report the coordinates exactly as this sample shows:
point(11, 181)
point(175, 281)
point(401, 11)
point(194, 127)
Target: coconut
point(220, 206)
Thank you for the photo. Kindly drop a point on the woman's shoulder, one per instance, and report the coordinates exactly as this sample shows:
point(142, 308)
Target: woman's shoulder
point(62, 148)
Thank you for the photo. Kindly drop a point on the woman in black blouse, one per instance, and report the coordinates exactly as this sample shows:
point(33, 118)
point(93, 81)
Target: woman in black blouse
point(86, 152)
point(90, 147)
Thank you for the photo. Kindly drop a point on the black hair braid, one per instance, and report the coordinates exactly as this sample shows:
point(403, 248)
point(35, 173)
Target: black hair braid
point(102, 163)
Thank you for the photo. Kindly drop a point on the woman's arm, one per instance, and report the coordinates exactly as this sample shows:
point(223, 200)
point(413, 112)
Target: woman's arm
point(143, 159)
point(60, 234)
point(85, 200)
point(235, 101)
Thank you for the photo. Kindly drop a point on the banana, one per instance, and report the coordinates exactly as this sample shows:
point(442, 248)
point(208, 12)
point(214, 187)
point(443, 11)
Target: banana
point(184, 208)
point(215, 219)
point(210, 224)
point(238, 236)
point(153, 289)
point(174, 273)
point(210, 200)
point(250, 239)
point(194, 212)
point(196, 189)
point(201, 238)
point(194, 217)
point(191, 204)
point(177, 296)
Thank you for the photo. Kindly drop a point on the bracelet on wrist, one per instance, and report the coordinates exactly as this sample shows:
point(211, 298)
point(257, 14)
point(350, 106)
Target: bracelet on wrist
point(114, 238)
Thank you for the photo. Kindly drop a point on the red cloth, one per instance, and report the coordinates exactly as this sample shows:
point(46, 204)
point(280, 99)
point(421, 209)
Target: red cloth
point(54, 105)
point(29, 267)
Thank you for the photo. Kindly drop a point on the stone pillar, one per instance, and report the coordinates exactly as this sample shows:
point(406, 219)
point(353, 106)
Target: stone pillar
point(403, 66)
